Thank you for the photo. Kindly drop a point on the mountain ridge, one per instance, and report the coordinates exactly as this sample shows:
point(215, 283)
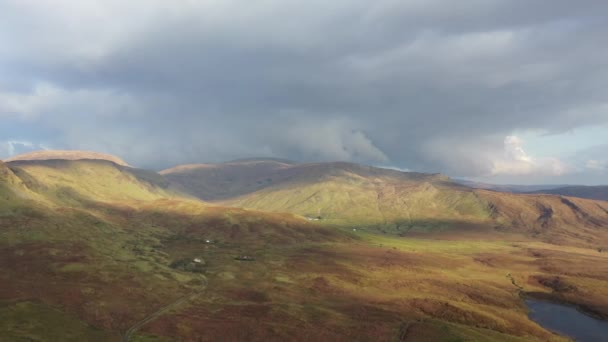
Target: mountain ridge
point(213, 182)
point(400, 202)
point(100, 247)
point(66, 155)
point(89, 180)
point(596, 192)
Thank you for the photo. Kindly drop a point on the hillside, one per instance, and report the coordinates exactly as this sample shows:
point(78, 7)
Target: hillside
point(338, 192)
point(67, 155)
point(508, 187)
point(8, 182)
point(7, 177)
point(595, 192)
point(12, 190)
point(599, 192)
point(99, 249)
point(220, 181)
point(351, 194)
point(89, 180)
point(558, 219)
point(397, 202)
point(94, 251)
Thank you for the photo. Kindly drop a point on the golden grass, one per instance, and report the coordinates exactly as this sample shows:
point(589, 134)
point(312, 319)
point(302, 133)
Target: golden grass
point(99, 256)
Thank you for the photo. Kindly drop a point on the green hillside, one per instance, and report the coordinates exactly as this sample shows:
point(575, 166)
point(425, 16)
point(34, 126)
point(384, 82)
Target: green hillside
point(352, 195)
point(95, 251)
point(351, 199)
point(336, 192)
point(89, 180)
point(89, 247)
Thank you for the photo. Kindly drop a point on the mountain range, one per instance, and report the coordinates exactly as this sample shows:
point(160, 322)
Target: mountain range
point(265, 249)
point(596, 192)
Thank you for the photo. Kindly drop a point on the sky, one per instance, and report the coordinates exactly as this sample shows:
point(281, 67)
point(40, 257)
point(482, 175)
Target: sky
point(503, 91)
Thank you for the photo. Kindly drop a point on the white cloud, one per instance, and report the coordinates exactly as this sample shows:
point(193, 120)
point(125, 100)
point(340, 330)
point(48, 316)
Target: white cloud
point(13, 147)
point(396, 168)
point(514, 150)
point(515, 161)
point(596, 165)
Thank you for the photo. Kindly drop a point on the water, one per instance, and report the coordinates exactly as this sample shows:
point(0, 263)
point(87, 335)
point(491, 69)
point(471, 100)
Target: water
point(567, 320)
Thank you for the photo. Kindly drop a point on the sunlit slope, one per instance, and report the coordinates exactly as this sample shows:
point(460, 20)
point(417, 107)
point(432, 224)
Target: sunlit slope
point(7, 178)
point(339, 192)
point(89, 180)
point(90, 272)
point(599, 192)
point(13, 192)
point(562, 217)
point(67, 155)
point(431, 206)
point(8, 181)
point(356, 195)
point(352, 199)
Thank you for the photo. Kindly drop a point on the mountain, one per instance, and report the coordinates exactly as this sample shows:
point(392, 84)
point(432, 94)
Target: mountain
point(599, 192)
point(8, 182)
point(67, 155)
point(226, 180)
point(91, 250)
point(338, 191)
point(348, 194)
point(7, 177)
point(355, 194)
point(507, 187)
point(99, 246)
point(89, 180)
point(12, 189)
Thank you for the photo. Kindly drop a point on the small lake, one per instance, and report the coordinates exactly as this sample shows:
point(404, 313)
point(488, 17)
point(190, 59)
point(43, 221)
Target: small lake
point(568, 321)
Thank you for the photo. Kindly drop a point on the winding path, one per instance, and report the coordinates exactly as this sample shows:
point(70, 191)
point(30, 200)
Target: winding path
point(159, 313)
point(405, 329)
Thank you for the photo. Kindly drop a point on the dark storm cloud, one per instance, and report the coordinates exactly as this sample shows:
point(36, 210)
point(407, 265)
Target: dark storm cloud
point(425, 85)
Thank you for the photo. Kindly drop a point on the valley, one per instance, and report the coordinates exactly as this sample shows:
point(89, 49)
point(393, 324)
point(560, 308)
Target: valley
point(111, 252)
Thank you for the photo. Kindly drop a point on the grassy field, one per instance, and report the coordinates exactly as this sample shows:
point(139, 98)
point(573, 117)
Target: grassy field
point(118, 246)
point(369, 288)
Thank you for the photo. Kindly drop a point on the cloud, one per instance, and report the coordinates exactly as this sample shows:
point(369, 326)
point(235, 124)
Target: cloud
point(596, 165)
point(592, 161)
point(337, 139)
point(516, 161)
point(428, 85)
point(13, 147)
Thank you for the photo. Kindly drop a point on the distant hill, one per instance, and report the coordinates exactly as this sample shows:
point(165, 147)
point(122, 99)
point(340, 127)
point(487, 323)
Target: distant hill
point(226, 180)
point(599, 192)
point(89, 180)
point(507, 187)
point(338, 193)
point(235, 178)
point(278, 160)
point(352, 194)
point(90, 249)
point(67, 155)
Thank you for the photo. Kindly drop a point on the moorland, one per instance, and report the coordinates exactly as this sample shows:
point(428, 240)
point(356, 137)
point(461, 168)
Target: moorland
point(93, 249)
